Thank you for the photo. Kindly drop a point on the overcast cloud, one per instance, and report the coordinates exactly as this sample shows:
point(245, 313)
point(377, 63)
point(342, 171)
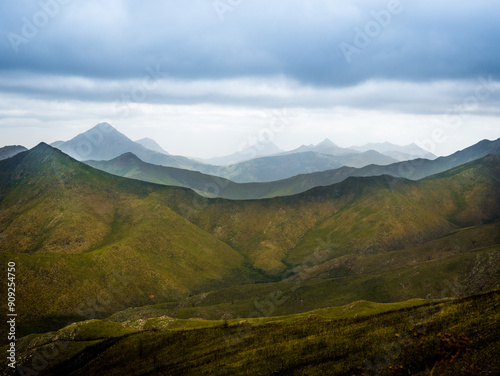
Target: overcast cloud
point(201, 76)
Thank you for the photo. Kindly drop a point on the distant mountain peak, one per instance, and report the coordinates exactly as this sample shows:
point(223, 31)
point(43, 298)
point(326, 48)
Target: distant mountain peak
point(146, 139)
point(151, 144)
point(326, 142)
point(104, 126)
point(266, 146)
point(401, 153)
point(100, 142)
point(128, 156)
point(259, 149)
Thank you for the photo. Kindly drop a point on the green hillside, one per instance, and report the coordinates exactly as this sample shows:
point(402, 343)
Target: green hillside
point(357, 216)
point(130, 166)
point(78, 233)
point(91, 244)
point(457, 337)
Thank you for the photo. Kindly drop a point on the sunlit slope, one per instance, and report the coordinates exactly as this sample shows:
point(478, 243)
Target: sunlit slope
point(75, 232)
point(357, 216)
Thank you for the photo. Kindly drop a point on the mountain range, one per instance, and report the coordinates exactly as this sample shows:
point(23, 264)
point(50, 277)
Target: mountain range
point(103, 142)
point(132, 167)
point(74, 229)
point(326, 147)
point(119, 274)
point(259, 149)
point(401, 153)
point(282, 166)
point(356, 156)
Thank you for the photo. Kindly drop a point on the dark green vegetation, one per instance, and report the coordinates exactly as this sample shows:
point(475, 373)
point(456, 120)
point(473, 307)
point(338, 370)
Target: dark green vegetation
point(454, 337)
point(128, 166)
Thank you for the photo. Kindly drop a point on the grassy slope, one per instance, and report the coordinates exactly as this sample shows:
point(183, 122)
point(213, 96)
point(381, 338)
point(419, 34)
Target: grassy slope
point(129, 166)
point(77, 233)
point(357, 216)
point(458, 275)
point(445, 338)
point(70, 225)
point(460, 264)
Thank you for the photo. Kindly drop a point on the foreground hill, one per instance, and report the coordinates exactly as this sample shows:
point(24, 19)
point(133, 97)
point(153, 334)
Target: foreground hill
point(77, 231)
point(91, 243)
point(359, 215)
point(457, 337)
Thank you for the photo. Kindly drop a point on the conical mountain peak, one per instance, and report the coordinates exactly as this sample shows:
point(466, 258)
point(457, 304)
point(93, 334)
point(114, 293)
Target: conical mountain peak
point(44, 149)
point(104, 126)
point(327, 142)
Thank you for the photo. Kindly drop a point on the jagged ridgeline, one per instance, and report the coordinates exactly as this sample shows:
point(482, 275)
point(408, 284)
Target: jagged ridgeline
point(90, 244)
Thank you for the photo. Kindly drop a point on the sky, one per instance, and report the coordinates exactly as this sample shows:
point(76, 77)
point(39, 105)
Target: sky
point(206, 78)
